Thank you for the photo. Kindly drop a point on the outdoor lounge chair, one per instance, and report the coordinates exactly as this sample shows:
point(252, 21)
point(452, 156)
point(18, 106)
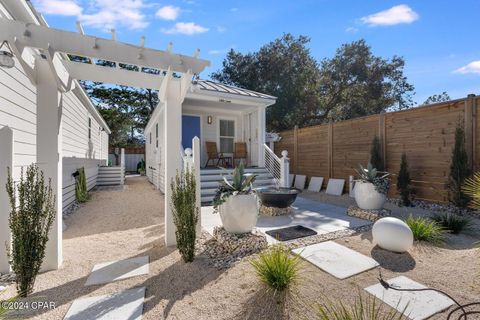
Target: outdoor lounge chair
point(240, 152)
point(213, 154)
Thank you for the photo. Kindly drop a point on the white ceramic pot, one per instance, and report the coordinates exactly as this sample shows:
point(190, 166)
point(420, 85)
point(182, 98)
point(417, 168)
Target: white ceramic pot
point(367, 197)
point(239, 213)
point(392, 234)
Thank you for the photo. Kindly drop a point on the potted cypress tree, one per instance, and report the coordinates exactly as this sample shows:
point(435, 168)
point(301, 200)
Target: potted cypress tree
point(371, 188)
point(236, 202)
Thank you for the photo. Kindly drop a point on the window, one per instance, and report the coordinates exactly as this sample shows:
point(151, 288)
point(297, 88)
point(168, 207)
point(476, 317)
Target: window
point(156, 135)
point(227, 135)
point(89, 128)
point(150, 138)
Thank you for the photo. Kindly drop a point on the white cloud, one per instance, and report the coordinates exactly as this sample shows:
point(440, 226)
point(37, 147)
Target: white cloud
point(168, 13)
point(395, 15)
point(221, 29)
point(188, 28)
point(107, 14)
point(472, 67)
point(59, 7)
point(221, 51)
point(351, 30)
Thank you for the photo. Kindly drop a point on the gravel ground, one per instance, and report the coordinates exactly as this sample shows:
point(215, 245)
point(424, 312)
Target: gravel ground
point(123, 224)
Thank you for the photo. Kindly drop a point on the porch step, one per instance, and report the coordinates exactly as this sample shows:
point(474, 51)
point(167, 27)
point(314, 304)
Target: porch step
point(211, 178)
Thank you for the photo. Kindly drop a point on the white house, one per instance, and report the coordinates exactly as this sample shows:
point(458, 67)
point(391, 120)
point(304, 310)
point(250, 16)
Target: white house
point(68, 133)
point(45, 116)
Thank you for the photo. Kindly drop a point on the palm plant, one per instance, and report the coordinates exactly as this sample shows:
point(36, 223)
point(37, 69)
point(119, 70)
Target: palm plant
point(471, 188)
point(380, 179)
point(241, 184)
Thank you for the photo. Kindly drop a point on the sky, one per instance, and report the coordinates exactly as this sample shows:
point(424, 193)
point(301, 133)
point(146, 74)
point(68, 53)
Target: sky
point(439, 39)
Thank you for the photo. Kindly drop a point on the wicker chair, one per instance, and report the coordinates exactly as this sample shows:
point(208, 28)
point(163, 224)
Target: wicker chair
point(240, 152)
point(213, 154)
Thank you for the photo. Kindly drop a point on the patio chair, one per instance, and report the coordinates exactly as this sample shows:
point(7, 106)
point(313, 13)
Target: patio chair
point(213, 154)
point(240, 152)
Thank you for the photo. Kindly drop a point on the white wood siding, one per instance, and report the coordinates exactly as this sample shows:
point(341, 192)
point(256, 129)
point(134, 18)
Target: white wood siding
point(18, 111)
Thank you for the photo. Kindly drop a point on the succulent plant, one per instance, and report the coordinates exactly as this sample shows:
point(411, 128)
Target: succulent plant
point(241, 184)
point(380, 179)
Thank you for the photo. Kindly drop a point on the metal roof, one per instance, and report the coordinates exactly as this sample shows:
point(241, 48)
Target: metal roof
point(224, 88)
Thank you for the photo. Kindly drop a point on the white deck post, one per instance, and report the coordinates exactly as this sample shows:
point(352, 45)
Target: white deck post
point(122, 165)
point(196, 168)
point(49, 152)
point(6, 160)
point(261, 136)
point(284, 170)
point(173, 139)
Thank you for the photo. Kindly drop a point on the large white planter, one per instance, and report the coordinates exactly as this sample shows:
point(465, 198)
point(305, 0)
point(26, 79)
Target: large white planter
point(392, 234)
point(239, 213)
point(367, 197)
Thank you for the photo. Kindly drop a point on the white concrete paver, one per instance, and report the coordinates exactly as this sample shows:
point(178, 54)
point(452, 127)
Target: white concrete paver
point(417, 305)
point(335, 259)
point(118, 270)
point(126, 305)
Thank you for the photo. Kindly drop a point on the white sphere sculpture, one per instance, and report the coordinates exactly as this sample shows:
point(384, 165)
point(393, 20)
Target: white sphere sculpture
point(392, 234)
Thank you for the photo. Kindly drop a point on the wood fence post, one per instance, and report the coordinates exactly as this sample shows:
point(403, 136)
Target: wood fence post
point(469, 128)
point(383, 138)
point(330, 150)
point(295, 148)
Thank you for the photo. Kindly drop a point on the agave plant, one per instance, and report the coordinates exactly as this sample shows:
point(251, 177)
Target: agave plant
point(380, 179)
point(241, 184)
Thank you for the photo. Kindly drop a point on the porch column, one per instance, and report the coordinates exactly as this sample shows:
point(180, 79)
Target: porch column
point(172, 127)
point(6, 160)
point(49, 152)
point(261, 136)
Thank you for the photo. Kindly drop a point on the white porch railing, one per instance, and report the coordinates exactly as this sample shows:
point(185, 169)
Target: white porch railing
point(191, 161)
point(279, 168)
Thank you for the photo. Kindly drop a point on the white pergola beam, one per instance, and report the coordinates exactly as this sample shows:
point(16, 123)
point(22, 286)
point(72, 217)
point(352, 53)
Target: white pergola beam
point(31, 35)
point(92, 72)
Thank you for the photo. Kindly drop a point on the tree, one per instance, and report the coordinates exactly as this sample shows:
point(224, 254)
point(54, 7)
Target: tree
point(356, 83)
point(351, 84)
point(126, 110)
point(436, 98)
point(283, 68)
point(459, 170)
point(376, 158)
point(404, 182)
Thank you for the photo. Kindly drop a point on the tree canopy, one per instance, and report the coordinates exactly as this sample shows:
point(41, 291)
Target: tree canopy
point(351, 84)
point(436, 98)
point(126, 110)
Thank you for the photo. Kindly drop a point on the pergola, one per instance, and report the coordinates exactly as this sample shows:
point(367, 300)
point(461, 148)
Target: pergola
point(53, 74)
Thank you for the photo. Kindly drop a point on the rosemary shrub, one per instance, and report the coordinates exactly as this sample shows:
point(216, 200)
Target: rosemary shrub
point(185, 212)
point(81, 193)
point(32, 214)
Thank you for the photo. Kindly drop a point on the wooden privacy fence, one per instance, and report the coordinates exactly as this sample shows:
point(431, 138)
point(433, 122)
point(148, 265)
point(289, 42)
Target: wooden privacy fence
point(425, 133)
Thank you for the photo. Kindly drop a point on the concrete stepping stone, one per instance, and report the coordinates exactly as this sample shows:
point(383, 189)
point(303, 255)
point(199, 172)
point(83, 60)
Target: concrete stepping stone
point(117, 270)
point(335, 259)
point(417, 305)
point(126, 305)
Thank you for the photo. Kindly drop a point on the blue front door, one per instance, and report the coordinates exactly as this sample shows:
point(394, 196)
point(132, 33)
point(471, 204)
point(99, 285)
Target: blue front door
point(190, 129)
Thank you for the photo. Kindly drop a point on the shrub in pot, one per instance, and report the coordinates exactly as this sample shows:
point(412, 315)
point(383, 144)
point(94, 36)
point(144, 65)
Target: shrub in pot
point(371, 188)
point(236, 202)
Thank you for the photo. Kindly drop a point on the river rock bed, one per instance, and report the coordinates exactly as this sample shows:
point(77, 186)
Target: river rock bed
point(273, 211)
point(224, 249)
point(372, 215)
